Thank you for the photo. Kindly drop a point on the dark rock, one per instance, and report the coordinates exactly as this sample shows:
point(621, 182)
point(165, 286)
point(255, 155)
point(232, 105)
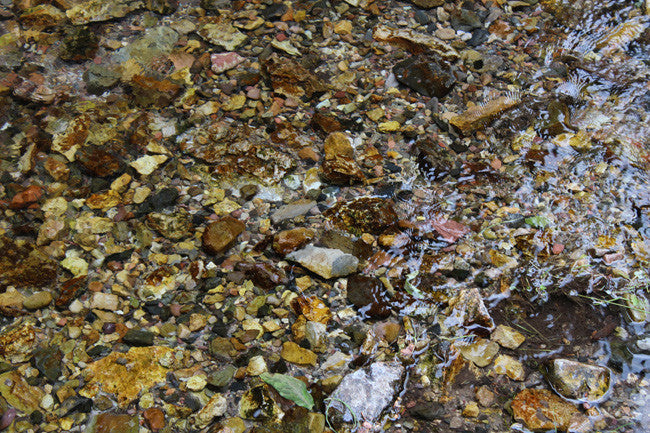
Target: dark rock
point(428, 410)
point(160, 200)
point(264, 275)
point(346, 243)
point(137, 337)
point(221, 378)
point(248, 191)
point(290, 78)
point(113, 423)
point(48, 362)
point(369, 295)
point(151, 92)
point(76, 404)
point(70, 290)
point(163, 7)
point(99, 161)
point(426, 75)
point(428, 4)
point(22, 264)
point(79, 45)
point(288, 241)
point(219, 235)
point(99, 78)
point(364, 215)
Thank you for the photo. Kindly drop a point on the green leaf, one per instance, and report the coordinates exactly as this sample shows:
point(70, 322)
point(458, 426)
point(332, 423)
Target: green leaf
point(290, 388)
point(539, 222)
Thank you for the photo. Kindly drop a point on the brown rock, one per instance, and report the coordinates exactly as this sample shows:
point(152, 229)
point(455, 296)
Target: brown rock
point(426, 75)
point(99, 162)
point(149, 91)
point(290, 78)
point(291, 352)
point(264, 275)
point(364, 215)
point(42, 17)
point(339, 166)
point(21, 265)
point(290, 240)
point(155, 418)
point(113, 423)
point(57, 168)
point(478, 116)
point(428, 4)
point(219, 235)
point(70, 290)
point(26, 197)
point(16, 342)
point(540, 409)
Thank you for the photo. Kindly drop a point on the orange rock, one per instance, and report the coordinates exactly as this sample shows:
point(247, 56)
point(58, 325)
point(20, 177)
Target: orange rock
point(541, 409)
point(26, 198)
point(155, 418)
point(219, 235)
point(290, 240)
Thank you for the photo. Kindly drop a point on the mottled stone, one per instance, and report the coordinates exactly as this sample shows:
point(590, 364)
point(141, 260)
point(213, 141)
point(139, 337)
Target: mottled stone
point(326, 262)
point(17, 342)
point(426, 75)
point(101, 10)
point(18, 393)
point(481, 352)
point(220, 235)
point(113, 423)
point(42, 17)
point(295, 354)
point(140, 370)
point(428, 4)
point(222, 34)
point(79, 44)
point(364, 215)
point(339, 165)
point(222, 62)
point(504, 364)
point(467, 309)
point(105, 301)
point(155, 418)
point(369, 295)
point(48, 362)
point(579, 381)
point(175, 225)
point(290, 78)
point(292, 210)
point(152, 92)
point(542, 410)
point(368, 390)
point(214, 408)
point(479, 116)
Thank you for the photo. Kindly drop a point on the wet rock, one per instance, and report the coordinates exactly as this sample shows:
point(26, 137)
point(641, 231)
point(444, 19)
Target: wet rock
point(479, 116)
point(220, 235)
point(363, 215)
point(326, 262)
point(101, 10)
point(42, 17)
point(126, 374)
point(99, 78)
point(160, 200)
point(504, 364)
point(579, 381)
point(467, 309)
point(214, 408)
point(79, 44)
point(292, 210)
point(18, 393)
point(223, 34)
point(290, 78)
point(295, 354)
point(471, 410)
point(99, 161)
point(427, 4)
point(288, 241)
point(316, 334)
point(257, 404)
point(138, 337)
point(113, 423)
point(174, 226)
point(415, 42)
point(163, 7)
point(221, 378)
point(156, 42)
point(507, 337)
point(428, 410)
point(48, 362)
point(367, 391)
point(29, 196)
point(312, 308)
point(151, 92)
point(425, 75)
point(481, 352)
point(339, 166)
point(256, 366)
point(155, 418)
point(11, 301)
point(221, 347)
point(264, 275)
point(369, 296)
point(346, 243)
point(17, 341)
point(105, 301)
point(542, 410)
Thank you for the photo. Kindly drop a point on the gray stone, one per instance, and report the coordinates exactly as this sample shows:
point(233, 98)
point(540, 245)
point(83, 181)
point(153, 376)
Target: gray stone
point(316, 334)
point(99, 78)
point(292, 210)
point(326, 262)
point(156, 42)
point(366, 392)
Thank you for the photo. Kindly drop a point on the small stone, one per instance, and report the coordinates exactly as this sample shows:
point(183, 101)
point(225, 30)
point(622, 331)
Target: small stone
point(147, 164)
point(219, 235)
point(222, 34)
point(101, 10)
point(138, 337)
point(222, 62)
point(316, 334)
point(542, 410)
point(484, 396)
point(504, 364)
point(295, 354)
point(364, 215)
point(196, 383)
point(11, 300)
point(481, 352)
point(256, 366)
point(426, 75)
point(507, 337)
point(215, 407)
point(390, 126)
point(326, 262)
point(428, 4)
point(105, 301)
point(222, 377)
point(38, 300)
point(343, 27)
point(369, 295)
point(113, 423)
point(155, 418)
point(471, 410)
point(48, 362)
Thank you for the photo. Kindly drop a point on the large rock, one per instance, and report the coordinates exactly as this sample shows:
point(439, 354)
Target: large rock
point(579, 381)
point(18, 393)
point(101, 10)
point(326, 262)
point(339, 166)
point(364, 215)
point(479, 116)
point(425, 75)
point(366, 391)
point(113, 423)
point(292, 210)
point(542, 410)
point(220, 235)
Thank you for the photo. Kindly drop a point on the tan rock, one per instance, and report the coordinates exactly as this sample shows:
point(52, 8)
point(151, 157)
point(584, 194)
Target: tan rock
point(479, 116)
point(288, 241)
point(471, 410)
point(17, 342)
point(507, 337)
point(18, 393)
point(504, 364)
point(541, 410)
point(126, 374)
point(291, 352)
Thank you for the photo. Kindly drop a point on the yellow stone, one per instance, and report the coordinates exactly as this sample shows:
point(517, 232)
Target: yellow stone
point(107, 200)
point(291, 352)
point(16, 343)
point(390, 126)
point(126, 374)
point(471, 410)
point(147, 164)
point(18, 393)
point(343, 27)
point(478, 116)
point(235, 102)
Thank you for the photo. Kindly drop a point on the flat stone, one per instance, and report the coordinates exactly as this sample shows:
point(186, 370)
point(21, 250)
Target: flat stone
point(138, 337)
point(220, 235)
point(175, 226)
point(147, 164)
point(155, 418)
point(542, 410)
point(295, 354)
point(292, 210)
point(38, 300)
point(101, 10)
point(369, 295)
point(479, 116)
point(48, 362)
point(367, 391)
point(18, 393)
point(288, 241)
point(222, 34)
point(26, 266)
point(105, 301)
point(17, 342)
point(222, 62)
point(11, 300)
point(426, 75)
point(214, 408)
point(507, 337)
point(481, 352)
point(364, 215)
point(326, 262)
point(113, 423)
point(126, 374)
